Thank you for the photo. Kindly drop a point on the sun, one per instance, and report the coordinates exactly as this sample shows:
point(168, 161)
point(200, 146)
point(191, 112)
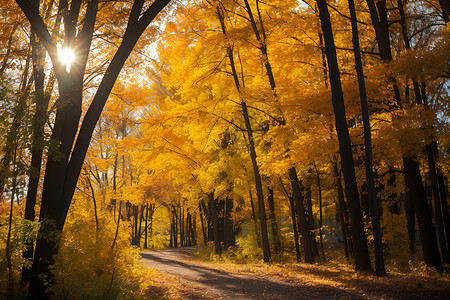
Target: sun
point(66, 56)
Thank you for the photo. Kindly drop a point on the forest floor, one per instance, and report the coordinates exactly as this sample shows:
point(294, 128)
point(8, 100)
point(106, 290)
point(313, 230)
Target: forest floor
point(183, 276)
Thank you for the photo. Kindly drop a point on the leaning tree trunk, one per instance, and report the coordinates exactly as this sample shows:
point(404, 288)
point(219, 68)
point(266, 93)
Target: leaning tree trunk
point(62, 171)
point(362, 259)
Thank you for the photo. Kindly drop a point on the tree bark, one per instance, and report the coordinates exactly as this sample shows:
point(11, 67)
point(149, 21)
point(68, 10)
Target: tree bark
point(413, 166)
point(427, 235)
point(41, 99)
point(362, 259)
point(444, 204)
point(372, 197)
point(273, 222)
point(345, 220)
point(445, 6)
point(146, 227)
point(311, 221)
point(215, 223)
point(62, 174)
point(253, 156)
point(302, 216)
point(319, 187)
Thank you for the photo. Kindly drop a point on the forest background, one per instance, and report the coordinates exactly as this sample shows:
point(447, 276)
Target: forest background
point(268, 131)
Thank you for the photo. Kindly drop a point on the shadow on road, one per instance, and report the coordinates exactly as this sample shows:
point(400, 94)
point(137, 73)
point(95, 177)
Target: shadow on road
point(226, 285)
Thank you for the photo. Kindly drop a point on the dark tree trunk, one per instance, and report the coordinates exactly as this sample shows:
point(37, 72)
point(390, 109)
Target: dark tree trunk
point(311, 220)
point(41, 100)
point(181, 226)
point(61, 174)
point(188, 228)
point(146, 227)
point(258, 184)
point(410, 219)
point(319, 187)
point(273, 222)
point(194, 229)
point(215, 223)
point(150, 217)
point(171, 233)
point(229, 235)
point(294, 221)
point(139, 231)
point(362, 259)
point(413, 166)
point(437, 204)
point(371, 193)
point(445, 6)
point(444, 204)
point(295, 228)
point(417, 192)
point(251, 146)
point(200, 209)
point(255, 218)
point(302, 216)
point(345, 221)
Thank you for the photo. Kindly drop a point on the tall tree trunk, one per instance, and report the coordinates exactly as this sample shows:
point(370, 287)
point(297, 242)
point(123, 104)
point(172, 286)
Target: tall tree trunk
point(41, 100)
point(414, 167)
point(346, 231)
point(444, 204)
point(61, 174)
point(372, 197)
point(188, 228)
point(205, 237)
point(311, 221)
point(295, 228)
point(146, 227)
point(229, 236)
point(437, 205)
point(95, 207)
point(181, 226)
point(427, 235)
point(258, 184)
point(215, 222)
point(362, 259)
point(302, 216)
point(319, 187)
point(273, 221)
point(294, 221)
point(251, 146)
point(410, 219)
point(445, 6)
point(175, 226)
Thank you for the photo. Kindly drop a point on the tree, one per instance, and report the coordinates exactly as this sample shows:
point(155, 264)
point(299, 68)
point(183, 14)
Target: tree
point(63, 169)
point(373, 203)
point(362, 260)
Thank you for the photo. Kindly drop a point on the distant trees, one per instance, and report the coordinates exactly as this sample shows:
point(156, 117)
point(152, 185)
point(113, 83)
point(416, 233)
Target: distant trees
point(282, 75)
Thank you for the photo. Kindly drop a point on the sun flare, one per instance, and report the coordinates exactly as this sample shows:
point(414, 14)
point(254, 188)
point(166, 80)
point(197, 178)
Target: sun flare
point(66, 56)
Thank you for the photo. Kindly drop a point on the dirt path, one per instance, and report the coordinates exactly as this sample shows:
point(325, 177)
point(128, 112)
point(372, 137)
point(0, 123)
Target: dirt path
point(198, 280)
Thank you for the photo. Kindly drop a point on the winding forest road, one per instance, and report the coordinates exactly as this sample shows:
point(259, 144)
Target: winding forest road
point(200, 280)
